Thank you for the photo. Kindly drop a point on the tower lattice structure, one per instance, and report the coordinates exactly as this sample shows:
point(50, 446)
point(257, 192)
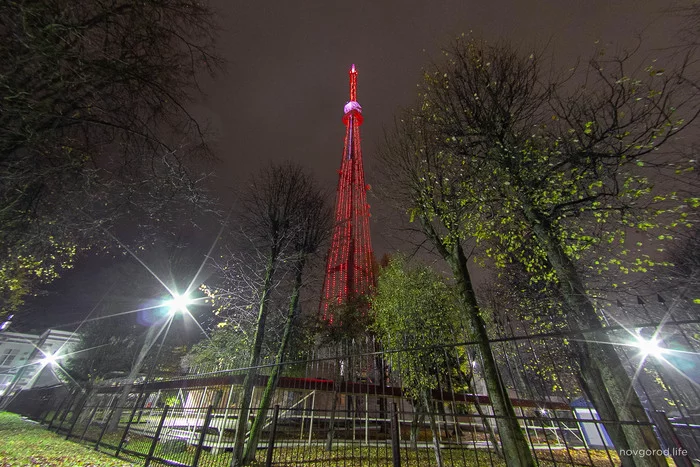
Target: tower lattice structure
point(349, 265)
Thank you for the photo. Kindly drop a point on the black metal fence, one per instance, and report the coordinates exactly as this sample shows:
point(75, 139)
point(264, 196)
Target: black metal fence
point(356, 404)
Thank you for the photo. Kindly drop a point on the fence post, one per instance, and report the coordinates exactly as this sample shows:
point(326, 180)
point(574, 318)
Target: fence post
point(104, 428)
point(395, 453)
point(128, 425)
point(66, 411)
point(367, 417)
point(87, 425)
point(668, 435)
point(76, 415)
point(271, 442)
point(156, 437)
point(311, 422)
point(205, 427)
point(57, 412)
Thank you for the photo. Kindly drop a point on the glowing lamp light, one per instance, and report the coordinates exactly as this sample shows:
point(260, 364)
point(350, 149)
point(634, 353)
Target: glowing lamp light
point(49, 359)
point(649, 347)
point(178, 304)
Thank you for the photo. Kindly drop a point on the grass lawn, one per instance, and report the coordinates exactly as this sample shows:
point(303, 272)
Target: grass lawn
point(25, 443)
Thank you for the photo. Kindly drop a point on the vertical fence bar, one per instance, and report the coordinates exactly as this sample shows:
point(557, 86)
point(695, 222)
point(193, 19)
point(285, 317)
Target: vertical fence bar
point(311, 422)
point(395, 453)
point(200, 444)
point(105, 424)
point(90, 418)
point(156, 437)
point(271, 442)
point(66, 411)
point(367, 415)
point(109, 405)
point(668, 434)
point(57, 412)
point(225, 419)
point(76, 415)
point(304, 409)
point(128, 424)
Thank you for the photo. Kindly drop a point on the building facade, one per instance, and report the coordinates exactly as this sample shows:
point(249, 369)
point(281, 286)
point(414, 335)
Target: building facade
point(23, 358)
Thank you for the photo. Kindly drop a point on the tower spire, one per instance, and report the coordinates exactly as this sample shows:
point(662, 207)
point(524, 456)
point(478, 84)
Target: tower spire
point(353, 83)
point(349, 264)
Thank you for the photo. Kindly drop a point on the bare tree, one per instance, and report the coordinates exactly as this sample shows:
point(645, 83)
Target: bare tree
point(312, 225)
point(284, 217)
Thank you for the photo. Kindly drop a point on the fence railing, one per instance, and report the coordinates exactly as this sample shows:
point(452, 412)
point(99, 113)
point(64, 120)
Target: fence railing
point(361, 405)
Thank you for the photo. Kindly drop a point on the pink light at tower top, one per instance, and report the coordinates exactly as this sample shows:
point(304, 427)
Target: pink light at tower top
point(352, 105)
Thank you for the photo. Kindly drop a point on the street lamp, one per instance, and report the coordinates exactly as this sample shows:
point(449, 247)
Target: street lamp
point(178, 304)
point(649, 347)
point(49, 359)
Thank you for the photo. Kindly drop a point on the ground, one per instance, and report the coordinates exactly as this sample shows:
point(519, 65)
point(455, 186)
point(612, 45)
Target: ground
point(26, 443)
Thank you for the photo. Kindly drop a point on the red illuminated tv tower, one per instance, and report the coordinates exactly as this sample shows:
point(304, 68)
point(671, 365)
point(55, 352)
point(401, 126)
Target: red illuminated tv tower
point(349, 271)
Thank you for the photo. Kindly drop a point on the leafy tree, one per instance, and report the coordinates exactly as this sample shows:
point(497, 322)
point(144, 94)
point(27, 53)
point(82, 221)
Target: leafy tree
point(351, 323)
point(548, 174)
point(517, 307)
point(416, 313)
point(421, 180)
point(226, 348)
point(105, 350)
point(94, 126)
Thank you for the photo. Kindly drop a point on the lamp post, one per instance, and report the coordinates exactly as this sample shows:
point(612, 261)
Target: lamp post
point(177, 304)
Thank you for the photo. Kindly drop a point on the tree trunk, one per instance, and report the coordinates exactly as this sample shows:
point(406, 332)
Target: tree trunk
point(416, 422)
point(515, 446)
point(121, 402)
point(248, 381)
point(602, 374)
point(261, 415)
point(434, 429)
point(487, 421)
point(489, 428)
point(334, 407)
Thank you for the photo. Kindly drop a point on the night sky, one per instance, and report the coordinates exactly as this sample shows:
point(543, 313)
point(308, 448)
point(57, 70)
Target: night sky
point(286, 82)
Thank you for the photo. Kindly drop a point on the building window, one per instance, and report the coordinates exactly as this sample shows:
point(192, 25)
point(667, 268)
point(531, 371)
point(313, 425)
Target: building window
point(7, 357)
